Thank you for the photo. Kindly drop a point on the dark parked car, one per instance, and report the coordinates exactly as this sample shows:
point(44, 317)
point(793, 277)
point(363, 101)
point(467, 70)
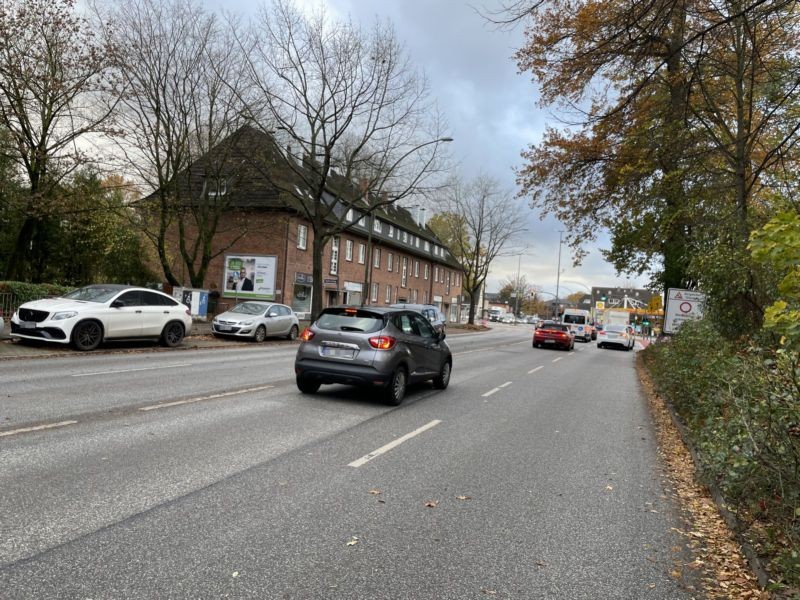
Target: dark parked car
point(378, 347)
point(554, 334)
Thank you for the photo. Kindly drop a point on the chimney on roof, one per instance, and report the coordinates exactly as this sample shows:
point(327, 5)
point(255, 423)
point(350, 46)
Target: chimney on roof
point(419, 215)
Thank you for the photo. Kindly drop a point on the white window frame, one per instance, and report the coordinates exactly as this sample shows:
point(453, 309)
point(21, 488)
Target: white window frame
point(436, 274)
point(374, 294)
point(388, 297)
point(404, 273)
point(348, 250)
point(335, 255)
point(362, 222)
point(376, 258)
point(427, 246)
point(376, 225)
point(416, 268)
point(405, 237)
point(391, 230)
point(427, 271)
point(349, 216)
point(362, 253)
point(390, 262)
point(302, 236)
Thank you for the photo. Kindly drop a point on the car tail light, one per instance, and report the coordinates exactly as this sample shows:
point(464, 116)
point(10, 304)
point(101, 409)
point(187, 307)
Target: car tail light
point(188, 312)
point(382, 342)
point(601, 332)
point(306, 335)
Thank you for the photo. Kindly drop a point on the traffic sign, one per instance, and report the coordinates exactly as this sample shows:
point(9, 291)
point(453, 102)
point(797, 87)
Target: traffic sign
point(682, 306)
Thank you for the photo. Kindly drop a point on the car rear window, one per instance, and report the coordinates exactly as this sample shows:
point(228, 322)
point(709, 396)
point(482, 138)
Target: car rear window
point(616, 328)
point(350, 320)
point(554, 327)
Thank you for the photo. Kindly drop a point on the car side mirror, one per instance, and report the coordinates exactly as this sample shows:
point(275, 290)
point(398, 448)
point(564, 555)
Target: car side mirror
point(272, 314)
point(440, 336)
point(117, 304)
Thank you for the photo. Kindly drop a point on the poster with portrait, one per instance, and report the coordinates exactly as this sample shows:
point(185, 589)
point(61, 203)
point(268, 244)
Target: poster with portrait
point(249, 277)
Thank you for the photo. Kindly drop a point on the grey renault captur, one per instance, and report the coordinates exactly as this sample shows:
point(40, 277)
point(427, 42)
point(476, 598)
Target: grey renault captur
point(378, 347)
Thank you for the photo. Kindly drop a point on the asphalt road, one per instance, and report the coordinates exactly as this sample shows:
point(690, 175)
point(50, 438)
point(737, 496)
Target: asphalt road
point(206, 474)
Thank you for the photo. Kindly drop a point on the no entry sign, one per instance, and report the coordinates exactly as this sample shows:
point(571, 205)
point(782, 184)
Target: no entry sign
point(682, 305)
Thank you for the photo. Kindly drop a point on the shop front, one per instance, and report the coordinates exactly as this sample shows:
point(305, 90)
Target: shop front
point(302, 292)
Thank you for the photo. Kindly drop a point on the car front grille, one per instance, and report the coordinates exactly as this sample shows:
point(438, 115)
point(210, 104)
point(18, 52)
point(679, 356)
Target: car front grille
point(27, 314)
point(46, 333)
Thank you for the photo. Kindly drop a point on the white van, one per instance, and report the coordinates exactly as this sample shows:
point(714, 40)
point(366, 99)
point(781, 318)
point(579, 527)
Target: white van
point(580, 323)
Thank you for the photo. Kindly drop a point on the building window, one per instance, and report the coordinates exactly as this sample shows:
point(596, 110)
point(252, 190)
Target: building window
point(388, 297)
point(348, 250)
point(436, 274)
point(414, 296)
point(390, 262)
point(424, 296)
point(349, 216)
point(391, 230)
point(405, 237)
point(302, 237)
point(362, 222)
point(374, 295)
point(427, 271)
point(404, 273)
point(335, 255)
point(416, 242)
point(376, 225)
point(447, 283)
point(362, 254)
point(427, 246)
point(216, 187)
point(416, 268)
point(376, 258)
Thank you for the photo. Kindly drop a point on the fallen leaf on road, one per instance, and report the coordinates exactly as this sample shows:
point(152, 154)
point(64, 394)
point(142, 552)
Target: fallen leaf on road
point(489, 592)
point(352, 541)
point(235, 574)
point(609, 487)
point(463, 498)
point(432, 503)
point(375, 492)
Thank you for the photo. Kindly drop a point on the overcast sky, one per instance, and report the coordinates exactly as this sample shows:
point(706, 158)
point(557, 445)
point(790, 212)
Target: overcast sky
point(491, 111)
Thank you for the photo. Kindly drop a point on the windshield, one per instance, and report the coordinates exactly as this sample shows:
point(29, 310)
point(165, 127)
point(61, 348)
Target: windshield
point(250, 308)
point(93, 293)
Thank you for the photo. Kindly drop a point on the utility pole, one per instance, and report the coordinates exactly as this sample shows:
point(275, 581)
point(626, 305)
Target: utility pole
point(558, 273)
point(517, 286)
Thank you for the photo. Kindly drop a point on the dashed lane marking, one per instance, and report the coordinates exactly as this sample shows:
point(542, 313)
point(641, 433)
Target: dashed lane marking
point(534, 370)
point(201, 398)
point(393, 444)
point(36, 428)
point(131, 370)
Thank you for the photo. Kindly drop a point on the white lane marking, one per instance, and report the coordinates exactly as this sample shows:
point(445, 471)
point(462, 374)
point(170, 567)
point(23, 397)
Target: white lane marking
point(536, 369)
point(506, 384)
point(37, 428)
point(201, 398)
point(384, 449)
point(490, 348)
point(555, 360)
point(490, 392)
point(131, 370)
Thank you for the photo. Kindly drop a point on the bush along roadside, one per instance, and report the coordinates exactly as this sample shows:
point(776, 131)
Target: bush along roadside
point(740, 404)
point(23, 292)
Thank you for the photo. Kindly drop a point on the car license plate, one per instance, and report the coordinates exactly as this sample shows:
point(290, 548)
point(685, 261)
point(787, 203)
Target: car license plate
point(337, 352)
point(224, 327)
point(549, 341)
point(27, 325)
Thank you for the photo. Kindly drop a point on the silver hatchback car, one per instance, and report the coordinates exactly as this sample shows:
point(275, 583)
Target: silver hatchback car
point(378, 347)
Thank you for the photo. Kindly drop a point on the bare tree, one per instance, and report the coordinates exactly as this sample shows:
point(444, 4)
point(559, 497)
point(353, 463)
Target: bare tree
point(53, 75)
point(182, 71)
point(481, 223)
point(349, 107)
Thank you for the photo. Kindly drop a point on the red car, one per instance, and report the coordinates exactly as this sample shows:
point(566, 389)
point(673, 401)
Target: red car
point(551, 333)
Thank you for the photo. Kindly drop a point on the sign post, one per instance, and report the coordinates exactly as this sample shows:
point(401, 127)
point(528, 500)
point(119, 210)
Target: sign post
point(682, 305)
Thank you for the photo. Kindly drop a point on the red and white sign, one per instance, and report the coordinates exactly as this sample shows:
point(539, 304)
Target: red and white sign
point(682, 305)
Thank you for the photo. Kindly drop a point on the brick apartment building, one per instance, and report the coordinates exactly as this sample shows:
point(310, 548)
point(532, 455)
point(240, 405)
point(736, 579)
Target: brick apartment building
point(265, 233)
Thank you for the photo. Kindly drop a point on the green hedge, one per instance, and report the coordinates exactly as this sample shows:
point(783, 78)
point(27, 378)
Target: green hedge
point(740, 403)
point(25, 292)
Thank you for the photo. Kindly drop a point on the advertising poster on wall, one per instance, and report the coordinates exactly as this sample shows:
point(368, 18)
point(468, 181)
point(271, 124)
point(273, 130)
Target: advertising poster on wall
point(249, 277)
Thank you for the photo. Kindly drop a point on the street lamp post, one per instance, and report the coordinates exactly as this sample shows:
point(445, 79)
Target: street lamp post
point(558, 272)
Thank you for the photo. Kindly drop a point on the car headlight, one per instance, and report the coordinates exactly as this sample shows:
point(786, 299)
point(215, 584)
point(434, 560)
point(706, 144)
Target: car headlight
point(60, 316)
point(247, 323)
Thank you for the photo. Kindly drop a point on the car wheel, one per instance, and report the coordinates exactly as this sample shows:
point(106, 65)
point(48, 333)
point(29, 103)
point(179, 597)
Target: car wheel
point(397, 387)
point(260, 335)
point(307, 386)
point(87, 335)
point(441, 381)
point(292, 333)
point(172, 335)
